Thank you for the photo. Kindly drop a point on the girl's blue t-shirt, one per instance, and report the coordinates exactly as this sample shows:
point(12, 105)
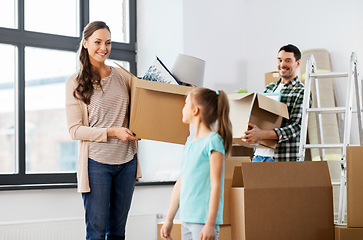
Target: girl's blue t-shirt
point(195, 179)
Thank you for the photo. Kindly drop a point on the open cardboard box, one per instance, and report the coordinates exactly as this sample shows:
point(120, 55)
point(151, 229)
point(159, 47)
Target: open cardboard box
point(238, 150)
point(282, 200)
point(229, 165)
point(354, 186)
point(156, 111)
point(260, 110)
point(342, 232)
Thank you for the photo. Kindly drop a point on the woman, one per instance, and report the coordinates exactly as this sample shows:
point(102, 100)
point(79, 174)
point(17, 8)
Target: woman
point(97, 103)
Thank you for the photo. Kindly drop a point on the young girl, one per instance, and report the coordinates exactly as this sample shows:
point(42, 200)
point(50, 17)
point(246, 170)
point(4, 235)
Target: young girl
point(198, 191)
point(97, 103)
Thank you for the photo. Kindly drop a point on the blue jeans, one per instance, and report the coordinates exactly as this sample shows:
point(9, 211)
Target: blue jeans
point(191, 231)
point(108, 203)
point(262, 159)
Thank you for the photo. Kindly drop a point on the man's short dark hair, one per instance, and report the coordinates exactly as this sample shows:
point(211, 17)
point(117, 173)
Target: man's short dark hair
point(293, 49)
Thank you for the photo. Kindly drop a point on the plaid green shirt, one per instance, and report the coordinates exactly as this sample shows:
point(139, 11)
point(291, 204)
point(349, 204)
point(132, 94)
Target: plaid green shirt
point(292, 94)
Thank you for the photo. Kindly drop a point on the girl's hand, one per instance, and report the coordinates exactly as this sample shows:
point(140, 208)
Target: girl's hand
point(121, 133)
point(208, 233)
point(166, 230)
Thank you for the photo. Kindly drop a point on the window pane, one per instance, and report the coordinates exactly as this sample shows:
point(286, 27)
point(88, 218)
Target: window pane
point(49, 147)
point(7, 109)
point(116, 17)
point(55, 17)
point(111, 62)
point(8, 16)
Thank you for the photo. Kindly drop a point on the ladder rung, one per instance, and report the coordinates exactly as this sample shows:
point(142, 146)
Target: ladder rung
point(334, 145)
point(327, 110)
point(335, 182)
point(329, 75)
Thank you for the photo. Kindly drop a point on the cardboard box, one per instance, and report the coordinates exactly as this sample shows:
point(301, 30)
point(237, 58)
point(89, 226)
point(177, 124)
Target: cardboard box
point(229, 165)
point(271, 77)
point(175, 232)
point(344, 233)
point(282, 200)
point(156, 111)
point(238, 150)
point(260, 110)
point(224, 232)
point(354, 186)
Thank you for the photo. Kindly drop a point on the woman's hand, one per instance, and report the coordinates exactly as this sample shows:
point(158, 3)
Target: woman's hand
point(208, 233)
point(166, 230)
point(121, 133)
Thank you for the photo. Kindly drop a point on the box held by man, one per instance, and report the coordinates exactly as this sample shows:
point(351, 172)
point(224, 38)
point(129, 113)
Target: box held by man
point(259, 110)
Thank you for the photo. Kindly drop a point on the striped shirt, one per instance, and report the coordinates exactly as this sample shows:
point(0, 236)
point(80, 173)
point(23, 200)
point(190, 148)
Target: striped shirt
point(292, 94)
point(109, 107)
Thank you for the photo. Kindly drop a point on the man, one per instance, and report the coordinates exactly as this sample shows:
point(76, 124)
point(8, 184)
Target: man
point(292, 94)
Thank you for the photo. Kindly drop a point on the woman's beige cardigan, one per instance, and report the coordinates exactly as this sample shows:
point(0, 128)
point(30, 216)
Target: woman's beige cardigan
point(78, 126)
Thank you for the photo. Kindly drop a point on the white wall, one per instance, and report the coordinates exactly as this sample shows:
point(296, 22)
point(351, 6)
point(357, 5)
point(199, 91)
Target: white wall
point(216, 32)
point(23, 206)
point(239, 41)
point(159, 32)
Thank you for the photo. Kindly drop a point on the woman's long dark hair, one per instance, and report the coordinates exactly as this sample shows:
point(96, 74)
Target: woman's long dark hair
point(214, 105)
point(87, 77)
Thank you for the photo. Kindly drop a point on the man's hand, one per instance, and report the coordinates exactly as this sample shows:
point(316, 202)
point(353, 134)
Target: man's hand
point(253, 135)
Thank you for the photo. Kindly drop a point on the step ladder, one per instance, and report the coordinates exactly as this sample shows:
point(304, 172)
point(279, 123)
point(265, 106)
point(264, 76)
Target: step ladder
point(354, 88)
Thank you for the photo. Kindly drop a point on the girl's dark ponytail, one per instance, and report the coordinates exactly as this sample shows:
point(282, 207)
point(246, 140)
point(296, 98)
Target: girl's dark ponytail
point(224, 123)
point(214, 106)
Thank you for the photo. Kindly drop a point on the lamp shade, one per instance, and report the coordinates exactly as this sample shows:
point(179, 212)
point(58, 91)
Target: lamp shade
point(189, 69)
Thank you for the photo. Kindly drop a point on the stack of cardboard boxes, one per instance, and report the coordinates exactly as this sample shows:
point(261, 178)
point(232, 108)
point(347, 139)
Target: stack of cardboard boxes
point(262, 200)
point(278, 200)
point(353, 230)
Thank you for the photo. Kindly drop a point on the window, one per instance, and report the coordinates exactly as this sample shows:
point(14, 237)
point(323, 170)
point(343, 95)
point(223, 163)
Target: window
point(38, 56)
point(7, 111)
